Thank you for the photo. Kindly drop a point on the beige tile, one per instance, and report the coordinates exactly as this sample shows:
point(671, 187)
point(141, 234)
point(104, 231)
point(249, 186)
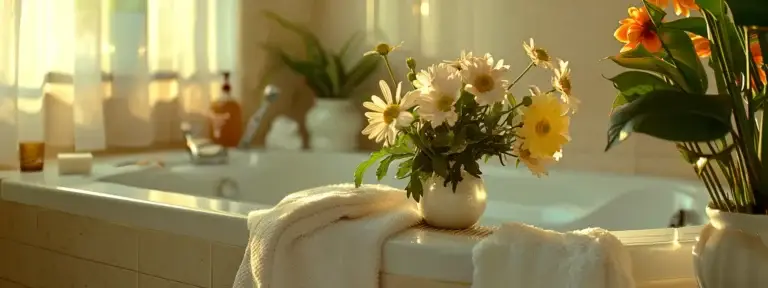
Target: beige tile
point(66, 271)
point(672, 283)
point(22, 263)
point(8, 284)
point(225, 261)
point(146, 281)
point(39, 268)
point(89, 238)
point(18, 222)
point(401, 281)
point(175, 257)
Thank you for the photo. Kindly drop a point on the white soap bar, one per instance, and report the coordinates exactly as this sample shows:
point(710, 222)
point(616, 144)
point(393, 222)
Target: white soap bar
point(75, 163)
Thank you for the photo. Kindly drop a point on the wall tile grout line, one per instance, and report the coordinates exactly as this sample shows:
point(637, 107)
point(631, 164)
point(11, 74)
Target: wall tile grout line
point(14, 282)
point(68, 255)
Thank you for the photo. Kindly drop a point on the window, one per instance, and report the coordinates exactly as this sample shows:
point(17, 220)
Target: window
point(95, 73)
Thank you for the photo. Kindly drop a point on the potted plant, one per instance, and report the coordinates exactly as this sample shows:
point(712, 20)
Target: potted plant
point(722, 135)
point(333, 122)
point(448, 117)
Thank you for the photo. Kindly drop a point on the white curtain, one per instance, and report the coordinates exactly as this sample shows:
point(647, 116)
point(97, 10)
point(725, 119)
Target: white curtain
point(93, 74)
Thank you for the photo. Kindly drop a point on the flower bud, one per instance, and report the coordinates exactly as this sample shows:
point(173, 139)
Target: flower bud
point(527, 101)
point(410, 63)
point(383, 49)
point(411, 76)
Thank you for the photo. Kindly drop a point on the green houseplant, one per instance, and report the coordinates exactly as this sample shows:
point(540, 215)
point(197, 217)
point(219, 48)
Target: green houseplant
point(333, 122)
point(722, 134)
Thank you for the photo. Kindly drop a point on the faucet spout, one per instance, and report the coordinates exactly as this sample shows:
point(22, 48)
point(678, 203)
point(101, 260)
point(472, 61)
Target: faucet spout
point(271, 93)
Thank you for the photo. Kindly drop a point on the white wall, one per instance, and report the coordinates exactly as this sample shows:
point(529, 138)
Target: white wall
point(578, 31)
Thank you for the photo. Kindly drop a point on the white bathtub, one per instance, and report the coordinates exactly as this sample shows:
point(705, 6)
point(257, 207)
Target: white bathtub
point(563, 201)
point(211, 202)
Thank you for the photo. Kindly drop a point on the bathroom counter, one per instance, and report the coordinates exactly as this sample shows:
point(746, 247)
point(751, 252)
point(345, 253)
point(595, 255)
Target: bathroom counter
point(421, 253)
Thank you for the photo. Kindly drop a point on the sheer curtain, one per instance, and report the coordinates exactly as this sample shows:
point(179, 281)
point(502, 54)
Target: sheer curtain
point(93, 74)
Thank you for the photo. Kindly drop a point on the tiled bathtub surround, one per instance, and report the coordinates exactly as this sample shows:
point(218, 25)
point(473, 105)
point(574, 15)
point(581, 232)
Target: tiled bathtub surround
point(47, 248)
point(42, 248)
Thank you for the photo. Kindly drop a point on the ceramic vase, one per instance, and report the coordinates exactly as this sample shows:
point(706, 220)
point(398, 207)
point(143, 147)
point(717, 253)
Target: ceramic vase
point(732, 251)
point(444, 208)
point(333, 125)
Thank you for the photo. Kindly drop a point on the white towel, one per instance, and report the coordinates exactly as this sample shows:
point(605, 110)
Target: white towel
point(523, 256)
point(328, 236)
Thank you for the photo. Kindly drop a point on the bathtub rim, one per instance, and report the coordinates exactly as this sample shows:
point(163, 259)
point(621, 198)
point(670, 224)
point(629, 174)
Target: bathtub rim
point(416, 253)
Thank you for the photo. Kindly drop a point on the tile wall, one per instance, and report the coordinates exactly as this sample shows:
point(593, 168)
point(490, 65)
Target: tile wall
point(42, 248)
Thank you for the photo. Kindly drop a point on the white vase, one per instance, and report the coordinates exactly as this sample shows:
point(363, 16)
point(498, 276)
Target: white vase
point(333, 125)
point(732, 251)
point(441, 207)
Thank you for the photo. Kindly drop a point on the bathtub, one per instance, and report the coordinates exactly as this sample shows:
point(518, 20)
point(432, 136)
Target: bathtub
point(212, 202)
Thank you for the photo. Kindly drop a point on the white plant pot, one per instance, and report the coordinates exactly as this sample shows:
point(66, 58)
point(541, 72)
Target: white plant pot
point(732, 251)
point(333, 125)
point(441, 207)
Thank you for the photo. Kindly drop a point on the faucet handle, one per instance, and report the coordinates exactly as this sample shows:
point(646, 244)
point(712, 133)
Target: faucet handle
point(185, 127)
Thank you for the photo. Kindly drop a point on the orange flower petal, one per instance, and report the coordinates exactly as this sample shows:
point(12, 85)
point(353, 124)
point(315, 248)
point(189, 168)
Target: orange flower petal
point(635, 33)
point(652, 43)
point(621, 33)
point(629, 46)
point(659, 3)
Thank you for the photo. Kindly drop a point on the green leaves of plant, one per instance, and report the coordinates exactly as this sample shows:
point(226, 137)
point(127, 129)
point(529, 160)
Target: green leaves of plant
point(641, 59)
point(716, 7)
point(325, 74)
point(673, 116)
point(634, 84)
point(682, 50)
point(695, 25)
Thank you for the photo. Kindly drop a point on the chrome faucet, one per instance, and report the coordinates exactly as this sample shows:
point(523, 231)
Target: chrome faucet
point(271, 93)
point(203, 151)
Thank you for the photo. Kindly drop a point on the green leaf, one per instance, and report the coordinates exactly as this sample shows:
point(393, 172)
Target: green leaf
point(682, 50)
point(749, 12)
point(713, 6)
point(384, 165)
point(360, 171)
point(695, 25)
point(641, 59)
point(359, 73)
point(404, 168)
point(351, 41)
point(633, 84)
point(422, 163)
point(673, 116)
point(440, 166)
point(315, 51)
point(656, 13)
point(333, 77)
point(414, 188)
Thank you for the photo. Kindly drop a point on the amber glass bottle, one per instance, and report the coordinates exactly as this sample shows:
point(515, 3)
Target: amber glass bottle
point(227, 117)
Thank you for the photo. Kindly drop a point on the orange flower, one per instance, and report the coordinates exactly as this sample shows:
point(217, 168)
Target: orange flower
point(682, 7)
point(757, 56)
point(638, 29)
point(701, 44)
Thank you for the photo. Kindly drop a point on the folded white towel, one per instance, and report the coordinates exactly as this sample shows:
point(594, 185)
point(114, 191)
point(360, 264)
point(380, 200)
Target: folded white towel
point(329, 236)
point(523, 256)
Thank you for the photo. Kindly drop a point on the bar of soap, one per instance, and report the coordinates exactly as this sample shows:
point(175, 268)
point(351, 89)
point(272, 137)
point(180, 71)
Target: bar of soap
point(75, 163)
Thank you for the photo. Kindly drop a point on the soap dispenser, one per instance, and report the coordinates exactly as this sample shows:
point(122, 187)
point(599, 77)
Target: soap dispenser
point(226, 117)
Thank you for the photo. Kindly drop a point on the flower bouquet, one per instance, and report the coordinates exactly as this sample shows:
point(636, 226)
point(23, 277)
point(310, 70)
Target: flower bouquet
point(455, 113)
point(722, 134)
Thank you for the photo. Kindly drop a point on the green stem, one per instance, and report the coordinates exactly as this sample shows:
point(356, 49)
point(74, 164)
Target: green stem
point(389, 69)
point(521, 75)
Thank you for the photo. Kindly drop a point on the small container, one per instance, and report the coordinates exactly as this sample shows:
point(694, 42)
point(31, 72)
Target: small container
point(31, 156)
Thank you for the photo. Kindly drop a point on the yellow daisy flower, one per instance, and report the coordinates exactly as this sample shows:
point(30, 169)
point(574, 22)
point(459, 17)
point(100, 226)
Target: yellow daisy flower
point(545, 125)
point(537, 166)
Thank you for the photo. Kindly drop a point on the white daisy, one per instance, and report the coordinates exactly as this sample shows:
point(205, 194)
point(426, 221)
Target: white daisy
point(457, 63)
point(441, 85)
point(539, 56)
point(562, 83)
point(483, 79)
point(389, 114)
